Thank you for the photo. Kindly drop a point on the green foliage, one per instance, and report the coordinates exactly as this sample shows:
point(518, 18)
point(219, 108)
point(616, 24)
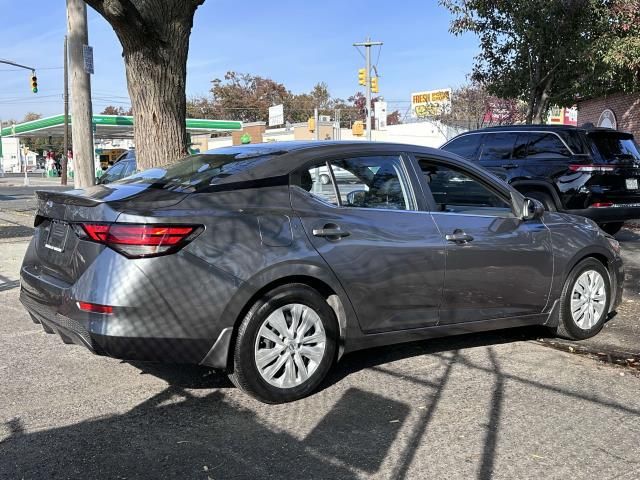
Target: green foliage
point(548, 52)
point(538, 51)
point(120, 111)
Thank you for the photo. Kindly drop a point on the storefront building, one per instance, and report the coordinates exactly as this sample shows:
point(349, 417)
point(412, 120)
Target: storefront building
point(619, 111)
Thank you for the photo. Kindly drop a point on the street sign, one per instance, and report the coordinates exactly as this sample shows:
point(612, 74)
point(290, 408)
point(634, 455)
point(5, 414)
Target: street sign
point(276, 115)
point(87, 55)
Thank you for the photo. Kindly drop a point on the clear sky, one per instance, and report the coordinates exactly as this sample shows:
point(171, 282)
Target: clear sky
point(297, 43)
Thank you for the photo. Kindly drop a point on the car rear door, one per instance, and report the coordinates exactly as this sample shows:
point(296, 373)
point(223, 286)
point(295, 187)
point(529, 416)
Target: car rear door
point(497, 264)
point(368, 226)
point(503, 153)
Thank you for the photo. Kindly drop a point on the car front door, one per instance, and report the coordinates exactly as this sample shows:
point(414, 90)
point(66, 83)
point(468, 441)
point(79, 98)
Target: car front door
point(498, 265)
point(367, 225)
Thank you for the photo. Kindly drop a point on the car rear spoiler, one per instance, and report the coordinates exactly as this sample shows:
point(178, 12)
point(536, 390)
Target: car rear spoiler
point(66, 198)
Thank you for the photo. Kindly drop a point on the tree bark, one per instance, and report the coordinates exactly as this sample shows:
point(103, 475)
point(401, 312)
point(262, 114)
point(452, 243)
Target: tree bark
point(155, 42)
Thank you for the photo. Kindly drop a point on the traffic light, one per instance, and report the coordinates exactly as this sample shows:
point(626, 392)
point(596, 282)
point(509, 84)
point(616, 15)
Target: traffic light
point(311, 124)
point(362, 76)
point(34, 83)
point(374, 85)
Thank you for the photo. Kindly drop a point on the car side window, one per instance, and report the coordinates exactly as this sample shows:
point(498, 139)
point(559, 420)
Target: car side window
point(130, 168)
point(498, 146)
point(317, 181)
point(373, 182)
point(113, 173)
point(465, 145)
point(456, 191)
point(546, 145)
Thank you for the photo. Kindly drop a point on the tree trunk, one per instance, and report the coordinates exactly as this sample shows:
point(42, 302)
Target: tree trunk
point(156, 86)
point(155, 39)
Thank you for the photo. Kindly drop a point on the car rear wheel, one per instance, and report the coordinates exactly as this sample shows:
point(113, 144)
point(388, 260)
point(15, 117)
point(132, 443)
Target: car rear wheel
point(611, 228)
point(584, 304)
point(285, 345)
point(544, 198)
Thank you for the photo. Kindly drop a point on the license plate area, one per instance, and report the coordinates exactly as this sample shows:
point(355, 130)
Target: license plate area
point(57, 237)
point(631, 183)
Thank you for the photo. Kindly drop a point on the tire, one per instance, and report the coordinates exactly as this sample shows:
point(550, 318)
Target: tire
point(324, 179)
point(576, 327)
point(544, 198)
point(611, 228)
point(273, 381)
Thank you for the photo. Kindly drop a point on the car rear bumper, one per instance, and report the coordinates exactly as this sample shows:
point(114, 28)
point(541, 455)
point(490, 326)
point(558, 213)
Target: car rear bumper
point(618, 213)
point(51, 304)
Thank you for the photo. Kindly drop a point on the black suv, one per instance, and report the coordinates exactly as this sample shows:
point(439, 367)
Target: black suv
point(593, 172)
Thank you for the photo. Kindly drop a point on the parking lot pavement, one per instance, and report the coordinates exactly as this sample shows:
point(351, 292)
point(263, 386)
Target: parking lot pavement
point(485, 406)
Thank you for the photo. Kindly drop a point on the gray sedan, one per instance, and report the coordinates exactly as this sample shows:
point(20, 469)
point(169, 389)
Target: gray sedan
point(246, 260)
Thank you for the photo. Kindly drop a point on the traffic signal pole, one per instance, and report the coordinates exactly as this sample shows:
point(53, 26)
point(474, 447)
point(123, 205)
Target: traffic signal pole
point(367, 45)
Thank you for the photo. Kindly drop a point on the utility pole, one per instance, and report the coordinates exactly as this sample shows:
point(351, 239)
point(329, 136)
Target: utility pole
point(65, 149)
point(81, 126)
point(367, 45)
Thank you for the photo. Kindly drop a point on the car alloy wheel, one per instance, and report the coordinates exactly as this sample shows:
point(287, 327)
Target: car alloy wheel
point(285, 345)
point(290, 345)
point(584, 303)
point(588, 299)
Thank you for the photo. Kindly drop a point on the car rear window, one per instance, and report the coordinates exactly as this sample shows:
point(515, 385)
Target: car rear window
point(197, 172)
point(615, 146)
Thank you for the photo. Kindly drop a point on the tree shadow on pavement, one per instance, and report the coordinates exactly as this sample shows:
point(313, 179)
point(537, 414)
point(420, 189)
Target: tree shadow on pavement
point(175, 434)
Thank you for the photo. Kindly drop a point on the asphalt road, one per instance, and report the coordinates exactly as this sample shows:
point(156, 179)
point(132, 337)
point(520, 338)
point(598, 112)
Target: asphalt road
point(495, 405)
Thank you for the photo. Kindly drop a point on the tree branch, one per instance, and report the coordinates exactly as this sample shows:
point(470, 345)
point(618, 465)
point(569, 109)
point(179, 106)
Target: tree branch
point(125, 19)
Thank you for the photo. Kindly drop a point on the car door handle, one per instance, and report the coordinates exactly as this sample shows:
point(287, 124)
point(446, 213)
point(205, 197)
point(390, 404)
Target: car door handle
point(331, 232)
point(509, 166)
point(458, 236)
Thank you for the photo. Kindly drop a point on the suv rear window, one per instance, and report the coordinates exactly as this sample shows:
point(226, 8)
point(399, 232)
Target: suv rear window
point(197, 172)
point(615, 146)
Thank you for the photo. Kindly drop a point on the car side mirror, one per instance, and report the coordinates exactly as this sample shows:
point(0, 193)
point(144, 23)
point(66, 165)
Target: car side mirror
point(356, 198)
point(532, 209)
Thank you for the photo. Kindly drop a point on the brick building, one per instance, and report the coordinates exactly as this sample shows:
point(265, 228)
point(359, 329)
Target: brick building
point(618, 110)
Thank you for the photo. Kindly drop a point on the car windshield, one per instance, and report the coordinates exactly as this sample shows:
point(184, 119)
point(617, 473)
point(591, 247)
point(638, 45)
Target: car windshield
point(197, 171)
point(616, 146)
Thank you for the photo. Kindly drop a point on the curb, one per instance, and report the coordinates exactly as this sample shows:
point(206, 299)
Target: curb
point(606, 355)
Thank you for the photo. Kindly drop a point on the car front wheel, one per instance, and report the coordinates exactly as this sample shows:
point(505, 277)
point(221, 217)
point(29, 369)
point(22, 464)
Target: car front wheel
point(584, 304)
point(285, 345)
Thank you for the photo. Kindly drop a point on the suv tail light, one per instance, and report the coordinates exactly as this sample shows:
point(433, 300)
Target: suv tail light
point(138, 241)
point(591, 168)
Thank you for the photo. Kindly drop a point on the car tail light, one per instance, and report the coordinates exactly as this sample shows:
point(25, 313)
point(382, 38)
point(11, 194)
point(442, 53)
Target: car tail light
point(138, 241)
point(601, 204)
point(591, 168)
point(95, 308)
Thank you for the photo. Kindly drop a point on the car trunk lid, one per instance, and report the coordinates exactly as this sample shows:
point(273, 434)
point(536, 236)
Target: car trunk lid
point(60, 251)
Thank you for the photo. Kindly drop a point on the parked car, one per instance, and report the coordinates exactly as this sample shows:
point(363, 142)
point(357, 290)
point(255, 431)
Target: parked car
point(593, 172)
point(124, 166)
point(241, 260)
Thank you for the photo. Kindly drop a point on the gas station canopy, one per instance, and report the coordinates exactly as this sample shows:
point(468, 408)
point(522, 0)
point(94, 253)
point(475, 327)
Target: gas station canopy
point(110, 126)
